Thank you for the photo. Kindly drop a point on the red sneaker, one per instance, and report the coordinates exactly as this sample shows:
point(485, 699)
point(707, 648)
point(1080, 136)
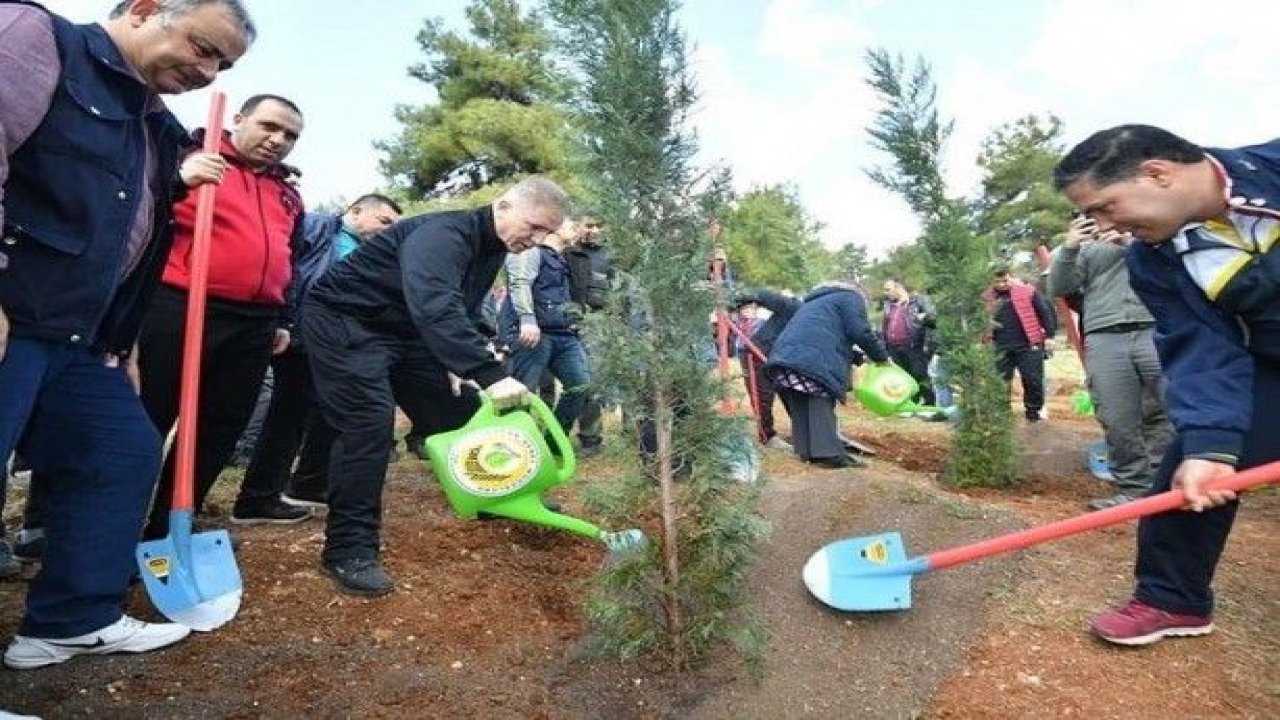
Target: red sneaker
point(1137, 623)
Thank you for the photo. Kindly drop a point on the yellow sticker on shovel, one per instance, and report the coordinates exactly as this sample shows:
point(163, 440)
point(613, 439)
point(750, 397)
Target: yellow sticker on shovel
point(877, 552)
point(159, 566)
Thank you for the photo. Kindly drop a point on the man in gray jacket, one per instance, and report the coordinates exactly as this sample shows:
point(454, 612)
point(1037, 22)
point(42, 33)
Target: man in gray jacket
point(1124, 372)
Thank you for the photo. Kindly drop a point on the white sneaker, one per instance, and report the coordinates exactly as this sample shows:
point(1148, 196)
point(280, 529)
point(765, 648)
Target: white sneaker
point(777, 443)
point(123, 635)
point(5, 715)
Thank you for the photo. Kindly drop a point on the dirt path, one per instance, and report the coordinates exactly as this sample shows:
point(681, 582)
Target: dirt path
point(824, 663)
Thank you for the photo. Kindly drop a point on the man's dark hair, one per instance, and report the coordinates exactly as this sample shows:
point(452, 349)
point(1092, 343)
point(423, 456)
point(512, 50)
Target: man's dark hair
point(252, 103)
point(1000, 272)
point(1112, 155)
point(376, 199)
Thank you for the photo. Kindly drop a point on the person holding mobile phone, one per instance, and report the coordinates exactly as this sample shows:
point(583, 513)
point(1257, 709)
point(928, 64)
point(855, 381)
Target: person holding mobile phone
point(1124, 375)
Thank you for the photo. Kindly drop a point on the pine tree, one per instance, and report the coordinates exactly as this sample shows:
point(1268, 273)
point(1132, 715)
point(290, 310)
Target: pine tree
point(958, 258)
point(686, 594)
point(500, 103)
point(1019, 206)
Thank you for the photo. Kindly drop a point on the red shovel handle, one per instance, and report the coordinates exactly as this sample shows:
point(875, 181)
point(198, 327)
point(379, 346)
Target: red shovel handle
point(1165, 501)
point(193, 338)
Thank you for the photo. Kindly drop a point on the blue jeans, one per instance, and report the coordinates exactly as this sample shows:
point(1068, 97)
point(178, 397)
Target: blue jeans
point(564, 356)
point(97, 455)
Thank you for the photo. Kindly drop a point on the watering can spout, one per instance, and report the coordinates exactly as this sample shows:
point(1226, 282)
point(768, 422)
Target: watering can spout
point(530, 509)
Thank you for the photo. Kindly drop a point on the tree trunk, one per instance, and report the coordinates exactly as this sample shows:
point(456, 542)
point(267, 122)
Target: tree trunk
point(665, 462)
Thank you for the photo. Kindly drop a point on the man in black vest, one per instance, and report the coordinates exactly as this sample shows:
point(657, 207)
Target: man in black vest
point(88, 164)
point(590, 275)
point(409, 298)
point(540, 323)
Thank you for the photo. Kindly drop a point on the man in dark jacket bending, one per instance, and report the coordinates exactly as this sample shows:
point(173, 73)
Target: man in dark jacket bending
point(409, 297)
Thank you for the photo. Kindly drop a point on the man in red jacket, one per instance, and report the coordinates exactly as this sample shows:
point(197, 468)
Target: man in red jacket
point(256, 219)
point(1023, 336)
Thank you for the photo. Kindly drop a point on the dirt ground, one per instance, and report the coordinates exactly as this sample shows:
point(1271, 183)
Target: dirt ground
point(486, 618)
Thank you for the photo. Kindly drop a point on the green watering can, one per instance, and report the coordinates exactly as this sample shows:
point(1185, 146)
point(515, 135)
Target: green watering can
point(887, 390)
point(499, 464)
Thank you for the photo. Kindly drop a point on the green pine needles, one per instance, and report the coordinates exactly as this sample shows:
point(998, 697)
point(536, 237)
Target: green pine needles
point(686, 594)
point(957, 258)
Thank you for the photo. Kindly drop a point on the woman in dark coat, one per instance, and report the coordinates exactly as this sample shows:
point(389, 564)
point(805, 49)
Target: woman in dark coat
point(811, 363)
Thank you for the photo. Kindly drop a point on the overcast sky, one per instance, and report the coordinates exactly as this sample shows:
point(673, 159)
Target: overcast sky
point(783, 93)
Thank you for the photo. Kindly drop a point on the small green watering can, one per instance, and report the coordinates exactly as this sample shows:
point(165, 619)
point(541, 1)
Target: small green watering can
point(500, 464)
point(887, 390)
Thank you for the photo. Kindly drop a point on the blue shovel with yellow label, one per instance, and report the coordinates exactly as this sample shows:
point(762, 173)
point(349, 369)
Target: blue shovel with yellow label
point(193, 579)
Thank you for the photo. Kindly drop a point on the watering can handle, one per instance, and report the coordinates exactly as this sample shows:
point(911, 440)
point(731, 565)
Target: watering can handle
point(566, 461)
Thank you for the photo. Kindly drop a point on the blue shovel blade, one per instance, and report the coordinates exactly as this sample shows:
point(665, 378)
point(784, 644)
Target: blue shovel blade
point(862, 574)
point(198, 585)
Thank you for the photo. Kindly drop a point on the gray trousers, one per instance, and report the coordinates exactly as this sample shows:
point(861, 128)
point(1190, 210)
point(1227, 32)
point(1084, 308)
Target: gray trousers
point(1127, 386)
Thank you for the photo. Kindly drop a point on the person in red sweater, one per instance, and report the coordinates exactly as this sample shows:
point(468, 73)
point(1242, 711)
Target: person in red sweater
point(1023, 335)
point(256, 221)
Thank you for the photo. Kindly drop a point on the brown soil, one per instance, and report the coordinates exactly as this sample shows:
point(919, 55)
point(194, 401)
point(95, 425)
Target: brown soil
point(486, 620)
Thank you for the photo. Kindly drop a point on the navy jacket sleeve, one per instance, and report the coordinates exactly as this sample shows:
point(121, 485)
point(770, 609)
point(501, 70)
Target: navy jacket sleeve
point(1209, 371)
point(858, 328)
point(293, 293)
point(433, 263)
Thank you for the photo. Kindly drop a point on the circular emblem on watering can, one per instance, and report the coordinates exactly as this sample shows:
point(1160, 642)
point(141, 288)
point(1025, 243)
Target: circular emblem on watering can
point(895, 390)
point(494, 463)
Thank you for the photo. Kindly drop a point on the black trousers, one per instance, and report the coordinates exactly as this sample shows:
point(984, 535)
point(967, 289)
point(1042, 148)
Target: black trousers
point(815, 430)
point(420, 386)
point(237, 349)
point(1030, 366)
point(288, 417)
point(312, 472)
point(916, 363)
point(352, 367)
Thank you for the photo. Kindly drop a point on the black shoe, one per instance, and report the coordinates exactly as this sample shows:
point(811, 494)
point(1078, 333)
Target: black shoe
point(357, 576)
point(28, 549)
point(416, 446)
point(272, 511)
point(306, 497)
point(833, 463)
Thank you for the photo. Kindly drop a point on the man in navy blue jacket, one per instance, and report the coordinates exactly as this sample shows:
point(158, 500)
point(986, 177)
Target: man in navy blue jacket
point(1207, 268)
point(88, 165)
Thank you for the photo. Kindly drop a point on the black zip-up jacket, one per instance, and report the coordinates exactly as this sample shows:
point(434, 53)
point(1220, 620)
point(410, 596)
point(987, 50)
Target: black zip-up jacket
point(425, 277)
point(781, 308)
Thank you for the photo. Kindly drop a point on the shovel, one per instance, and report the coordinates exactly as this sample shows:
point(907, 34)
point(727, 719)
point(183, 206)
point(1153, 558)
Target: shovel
point(874, 573)
point(193, 579)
